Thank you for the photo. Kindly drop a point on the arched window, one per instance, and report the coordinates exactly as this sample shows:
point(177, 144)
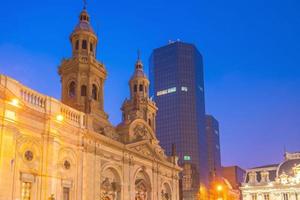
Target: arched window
point(94, 92)
point(77, 45)
point(91, 47)
point(135, 88)
point(83, 90)
point(141, 88)
point(84, 44)
point(72, 89)
point(149, 122)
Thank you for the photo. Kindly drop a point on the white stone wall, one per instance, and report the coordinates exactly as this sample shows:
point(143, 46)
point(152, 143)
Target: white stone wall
point(65, 154)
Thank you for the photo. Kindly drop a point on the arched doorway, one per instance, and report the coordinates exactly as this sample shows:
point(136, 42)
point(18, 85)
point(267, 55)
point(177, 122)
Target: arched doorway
point(166, 193)
point(110, 188)
point(142, 186)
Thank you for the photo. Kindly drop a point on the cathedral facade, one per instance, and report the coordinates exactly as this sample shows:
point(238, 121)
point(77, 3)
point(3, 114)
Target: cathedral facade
point(68, 149)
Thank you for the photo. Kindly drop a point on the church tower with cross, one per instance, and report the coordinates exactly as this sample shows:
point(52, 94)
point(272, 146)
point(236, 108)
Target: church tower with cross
point(82, 75)
point(68, 150)
point(139, 106)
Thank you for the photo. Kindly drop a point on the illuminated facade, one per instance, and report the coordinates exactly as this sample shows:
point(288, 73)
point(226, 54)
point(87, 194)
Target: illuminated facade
point(274, 182)
point(68, 150)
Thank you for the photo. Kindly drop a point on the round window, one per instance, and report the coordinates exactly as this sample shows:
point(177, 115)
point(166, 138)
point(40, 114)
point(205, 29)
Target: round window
point(28, 155)
point(67, 164)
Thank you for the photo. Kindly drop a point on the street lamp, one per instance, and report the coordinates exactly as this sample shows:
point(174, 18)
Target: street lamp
point(15, 102)
point(219, 188)
point(60, 118)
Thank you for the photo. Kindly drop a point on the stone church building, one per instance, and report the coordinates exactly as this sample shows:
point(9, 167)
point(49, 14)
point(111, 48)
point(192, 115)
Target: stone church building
point(68, 149)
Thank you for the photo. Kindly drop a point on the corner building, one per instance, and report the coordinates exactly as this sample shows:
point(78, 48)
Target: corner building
point(68, 150)
point(274, 182)
point(176, 74)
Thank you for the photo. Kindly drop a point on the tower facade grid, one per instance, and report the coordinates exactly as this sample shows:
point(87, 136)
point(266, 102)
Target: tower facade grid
point(177, 86)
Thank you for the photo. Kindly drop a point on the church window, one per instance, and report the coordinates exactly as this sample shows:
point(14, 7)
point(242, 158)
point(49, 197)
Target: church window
point(266, 197)
point(83, 90)
point(67, 165)
point(135, 88)
point(141, 88)
point(28, 155)
point(77, 45)
point(94, 92)
point(72, 88)
point(285, 196)
point(91, 47)
point(26, 191)
point(254, 196)
point(66, 193)
point(84, 44)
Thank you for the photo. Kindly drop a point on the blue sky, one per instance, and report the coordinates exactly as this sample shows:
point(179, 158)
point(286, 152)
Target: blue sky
point(250, 48)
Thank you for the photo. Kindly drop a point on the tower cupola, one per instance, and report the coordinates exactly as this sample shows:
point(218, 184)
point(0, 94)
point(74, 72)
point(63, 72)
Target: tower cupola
point(83, 38)
point(139, 83)
point(139, 106)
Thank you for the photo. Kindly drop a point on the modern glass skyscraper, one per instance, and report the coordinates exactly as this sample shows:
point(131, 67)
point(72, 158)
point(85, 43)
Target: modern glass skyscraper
point(177, 86)
point(213, 141)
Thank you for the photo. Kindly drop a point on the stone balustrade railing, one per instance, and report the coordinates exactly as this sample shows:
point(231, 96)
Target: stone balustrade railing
point(42, 103)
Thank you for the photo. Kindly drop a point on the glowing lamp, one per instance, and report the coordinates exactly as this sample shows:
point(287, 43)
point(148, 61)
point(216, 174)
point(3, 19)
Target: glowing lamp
point(60, 118)
point(219, 188)
point(15, 102)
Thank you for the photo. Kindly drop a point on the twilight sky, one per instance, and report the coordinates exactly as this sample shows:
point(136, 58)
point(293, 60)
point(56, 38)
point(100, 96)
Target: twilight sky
point(251, 51)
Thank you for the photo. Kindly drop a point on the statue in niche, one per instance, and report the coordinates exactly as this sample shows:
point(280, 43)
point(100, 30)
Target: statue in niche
point(109, 190)
point(165, 195)
point(140, 190)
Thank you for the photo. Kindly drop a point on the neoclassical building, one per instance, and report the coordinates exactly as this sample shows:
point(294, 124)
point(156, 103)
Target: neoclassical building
point(68, 149)
point(274, 182)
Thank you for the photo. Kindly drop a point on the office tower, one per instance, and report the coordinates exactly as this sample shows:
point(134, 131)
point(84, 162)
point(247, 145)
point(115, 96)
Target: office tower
point(177, 86)
point(213, 141)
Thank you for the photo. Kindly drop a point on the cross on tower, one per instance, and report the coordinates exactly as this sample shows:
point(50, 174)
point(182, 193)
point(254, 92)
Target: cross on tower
point(139, 54)
point(84, 4)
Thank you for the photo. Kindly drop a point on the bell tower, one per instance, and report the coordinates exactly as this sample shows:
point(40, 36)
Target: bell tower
point(82, 76)
point(139, 106)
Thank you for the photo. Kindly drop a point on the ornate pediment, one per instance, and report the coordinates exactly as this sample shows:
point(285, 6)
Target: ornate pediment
point(139, 130)
point(149, 150)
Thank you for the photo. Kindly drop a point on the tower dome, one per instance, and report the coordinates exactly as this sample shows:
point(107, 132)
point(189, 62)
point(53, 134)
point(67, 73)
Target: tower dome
point(84, 22)
point(83, 38)
point(139, 72)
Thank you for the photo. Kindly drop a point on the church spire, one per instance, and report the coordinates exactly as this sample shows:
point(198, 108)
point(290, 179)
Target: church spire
point(139, 83)
point(139, 106)
point(83, 38)
point(82, 76)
